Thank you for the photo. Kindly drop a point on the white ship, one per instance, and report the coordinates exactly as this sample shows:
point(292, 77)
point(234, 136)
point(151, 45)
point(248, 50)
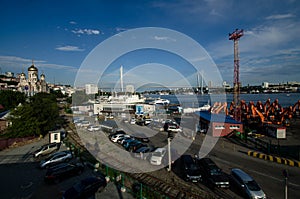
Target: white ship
point(160, 101)
point(206, 107)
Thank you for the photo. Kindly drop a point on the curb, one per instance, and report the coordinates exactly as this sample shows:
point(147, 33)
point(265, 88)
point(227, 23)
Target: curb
point(272, 158)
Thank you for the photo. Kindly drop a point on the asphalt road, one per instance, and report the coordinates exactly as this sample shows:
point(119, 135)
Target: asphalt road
point(228, 155)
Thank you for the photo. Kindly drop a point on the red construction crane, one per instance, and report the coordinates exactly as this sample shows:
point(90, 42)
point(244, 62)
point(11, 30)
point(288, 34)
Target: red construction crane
point(235, 36)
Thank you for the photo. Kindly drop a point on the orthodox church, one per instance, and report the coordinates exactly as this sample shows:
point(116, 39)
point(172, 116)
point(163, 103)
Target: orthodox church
point(33, 84)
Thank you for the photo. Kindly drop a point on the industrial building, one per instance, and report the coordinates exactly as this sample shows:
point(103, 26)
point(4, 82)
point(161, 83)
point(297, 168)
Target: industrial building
point(219, 124)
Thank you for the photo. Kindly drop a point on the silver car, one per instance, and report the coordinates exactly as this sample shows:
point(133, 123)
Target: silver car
point(46, 149)
point(248, 186)
point(58, 157)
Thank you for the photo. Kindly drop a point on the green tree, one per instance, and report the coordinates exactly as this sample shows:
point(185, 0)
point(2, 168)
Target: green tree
point(10, 99)
point(36, 118)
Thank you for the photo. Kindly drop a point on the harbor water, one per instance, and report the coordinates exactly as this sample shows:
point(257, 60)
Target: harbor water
point(285, 99)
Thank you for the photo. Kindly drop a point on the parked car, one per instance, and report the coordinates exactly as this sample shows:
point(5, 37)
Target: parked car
point(212, 174)
point(246, 184)
point(132, 121)
point(56, 158)
point(157, 156)
point(129, 143)
point(141, 137)
point(46, 149)
point(148, 121)
point(62, 171)
point(190, 169)
point(83, 123)
point(86, 188)
point(143, 152)
point(116, 138)
point(124, 139)
point(133, 146)
point(171, 126)
point(140, 122)
point(119, 131)
point(93, 128)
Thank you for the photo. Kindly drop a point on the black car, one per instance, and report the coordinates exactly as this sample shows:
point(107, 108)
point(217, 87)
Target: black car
point(85, 188)
point(190, 168)
point(62, 171)
point(143, 152)
point(134, 145)
point(141, 137)
point(212, 174)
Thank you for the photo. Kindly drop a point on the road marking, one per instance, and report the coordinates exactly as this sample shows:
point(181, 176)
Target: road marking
point(259, 173)
point(274, 178)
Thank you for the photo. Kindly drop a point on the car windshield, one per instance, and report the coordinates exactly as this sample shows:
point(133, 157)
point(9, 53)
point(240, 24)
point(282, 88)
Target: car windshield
point(252, 185)
point(215, 171)
point(49, 158)
point(193, 167)
point(157, 153)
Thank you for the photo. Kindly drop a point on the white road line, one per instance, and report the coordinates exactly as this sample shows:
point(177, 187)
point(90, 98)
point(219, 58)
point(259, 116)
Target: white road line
point(279, 180)
point(259, 173)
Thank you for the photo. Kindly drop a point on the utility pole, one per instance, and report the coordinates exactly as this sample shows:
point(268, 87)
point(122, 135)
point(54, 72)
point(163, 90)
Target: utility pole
point(235, 36)
point(169, 153)
point(121, 78)
point(285, 174)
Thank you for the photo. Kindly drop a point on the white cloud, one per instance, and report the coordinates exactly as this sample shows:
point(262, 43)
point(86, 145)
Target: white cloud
point(119, 29)
point(13, 59)
point(86, 31)
point(69, 48)
point(73, 22)
point(160, 38)
point(215, 13)
point(280, 16)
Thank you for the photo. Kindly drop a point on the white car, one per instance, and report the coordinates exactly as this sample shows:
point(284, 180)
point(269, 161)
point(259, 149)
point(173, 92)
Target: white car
point(148, 121)
point(93, 128)
point(157, 156)
point(62, 156)
point(132, 121)
point(117, 137)
point(175, 129)
point(83, 123)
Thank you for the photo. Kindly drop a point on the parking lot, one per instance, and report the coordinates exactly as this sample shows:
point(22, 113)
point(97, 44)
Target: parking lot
point(22, 177)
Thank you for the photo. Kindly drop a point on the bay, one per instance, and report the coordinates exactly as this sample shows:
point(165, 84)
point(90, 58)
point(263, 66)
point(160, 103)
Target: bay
point(285, 99)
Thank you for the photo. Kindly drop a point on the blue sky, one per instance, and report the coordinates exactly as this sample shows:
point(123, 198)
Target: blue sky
point(59, 35)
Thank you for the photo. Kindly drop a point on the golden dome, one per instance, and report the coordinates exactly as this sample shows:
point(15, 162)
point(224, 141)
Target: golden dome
point(32, 68)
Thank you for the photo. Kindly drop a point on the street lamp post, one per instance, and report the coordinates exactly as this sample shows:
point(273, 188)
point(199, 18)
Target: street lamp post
point(285, 174)
point(169, 153)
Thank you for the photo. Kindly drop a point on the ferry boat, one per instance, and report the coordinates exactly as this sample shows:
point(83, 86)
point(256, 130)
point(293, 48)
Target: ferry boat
point(160, 101)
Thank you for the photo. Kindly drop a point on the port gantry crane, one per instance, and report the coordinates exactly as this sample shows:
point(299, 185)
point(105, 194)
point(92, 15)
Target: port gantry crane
point(235, 36)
